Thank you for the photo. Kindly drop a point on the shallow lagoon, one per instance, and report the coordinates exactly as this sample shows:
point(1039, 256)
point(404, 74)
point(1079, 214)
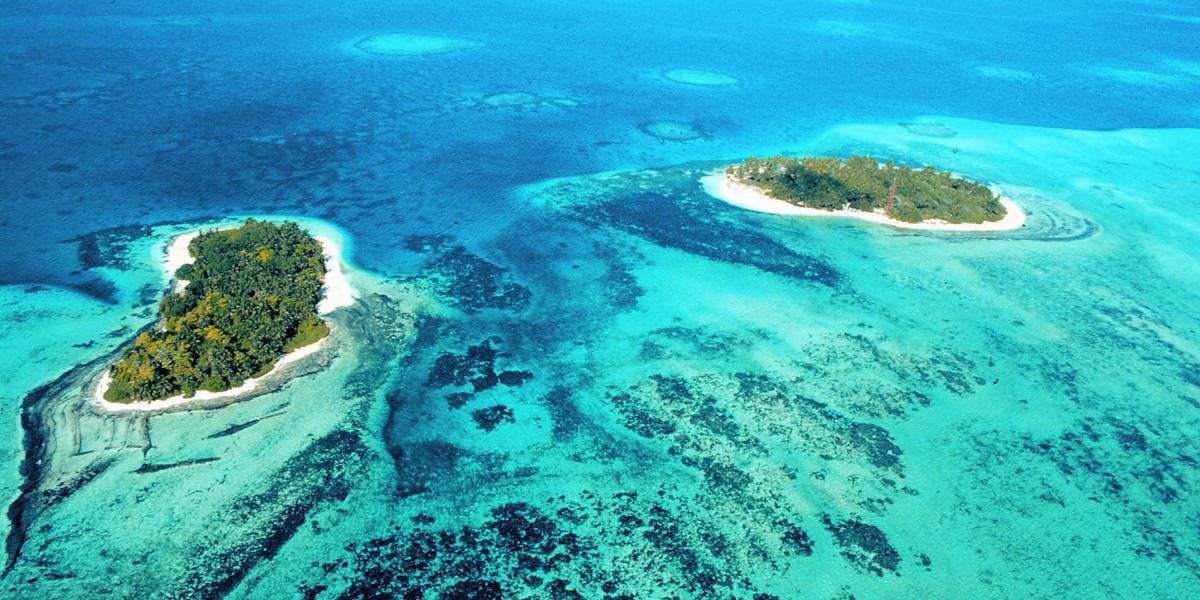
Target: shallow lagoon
point(574, 371)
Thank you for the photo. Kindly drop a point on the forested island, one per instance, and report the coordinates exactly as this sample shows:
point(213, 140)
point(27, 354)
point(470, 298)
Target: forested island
point(861, 183)
point(251, 296)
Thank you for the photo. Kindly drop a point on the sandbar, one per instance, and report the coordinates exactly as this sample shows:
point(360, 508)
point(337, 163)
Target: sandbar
point(700, 78)
point(722, 186)
point(413, 44)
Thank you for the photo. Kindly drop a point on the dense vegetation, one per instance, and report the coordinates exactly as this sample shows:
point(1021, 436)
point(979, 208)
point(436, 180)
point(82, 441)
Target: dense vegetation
point(251, 297)
point(862, 183)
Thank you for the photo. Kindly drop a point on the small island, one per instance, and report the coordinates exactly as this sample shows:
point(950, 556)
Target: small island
point(248, 297)
point(864, 188)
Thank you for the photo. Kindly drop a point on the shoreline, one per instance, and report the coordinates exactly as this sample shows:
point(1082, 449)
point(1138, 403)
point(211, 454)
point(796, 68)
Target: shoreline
point(722, 186)
point(336, 293)
point(201, 396)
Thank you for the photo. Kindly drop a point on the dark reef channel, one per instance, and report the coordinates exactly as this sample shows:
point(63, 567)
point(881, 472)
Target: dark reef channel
point(667, 207)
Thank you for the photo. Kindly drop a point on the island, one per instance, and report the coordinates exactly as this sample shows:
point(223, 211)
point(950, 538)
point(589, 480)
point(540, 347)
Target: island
point(244, 299)
point(865, 188)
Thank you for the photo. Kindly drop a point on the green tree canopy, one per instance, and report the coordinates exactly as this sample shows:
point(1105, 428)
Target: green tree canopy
point(251, 296)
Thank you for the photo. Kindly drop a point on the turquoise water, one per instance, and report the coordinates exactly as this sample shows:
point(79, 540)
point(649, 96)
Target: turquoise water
point(569, 371)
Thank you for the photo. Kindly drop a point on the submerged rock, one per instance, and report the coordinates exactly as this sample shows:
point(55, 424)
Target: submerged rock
point(672, 131)
point(491, 417)
point(864, 545)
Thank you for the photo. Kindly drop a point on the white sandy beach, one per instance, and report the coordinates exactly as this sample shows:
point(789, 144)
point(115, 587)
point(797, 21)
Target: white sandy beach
point(178, 255)
point(336, 293)
point(722, 186)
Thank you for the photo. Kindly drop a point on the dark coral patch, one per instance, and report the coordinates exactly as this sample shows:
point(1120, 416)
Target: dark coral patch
point(565, 413)
point(876, 443)
point(492, 417)
point(466, 280)
point(474, 590)
point(796, 540)
point(552, 549)
point(107, 248)
point(475, 366)
point(666, 222)
point(678, 214)
point(457, 400)
point(514, 378)
point(864, 545)
point(522, 528)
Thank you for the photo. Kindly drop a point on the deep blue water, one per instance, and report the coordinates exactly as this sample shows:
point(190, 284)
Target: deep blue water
point(114, 114)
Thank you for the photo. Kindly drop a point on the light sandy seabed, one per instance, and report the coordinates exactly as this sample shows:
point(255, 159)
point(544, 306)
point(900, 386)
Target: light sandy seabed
point(336, 293)
point(722, 186)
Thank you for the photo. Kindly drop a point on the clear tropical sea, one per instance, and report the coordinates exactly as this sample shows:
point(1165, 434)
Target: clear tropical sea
point(570, 372)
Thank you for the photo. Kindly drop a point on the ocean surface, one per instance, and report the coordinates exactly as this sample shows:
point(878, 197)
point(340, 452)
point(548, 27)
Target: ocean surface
point(570, 372)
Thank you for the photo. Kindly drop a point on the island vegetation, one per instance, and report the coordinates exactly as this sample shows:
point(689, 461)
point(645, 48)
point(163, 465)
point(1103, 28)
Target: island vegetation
point(251, 297)
point(865, 184)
